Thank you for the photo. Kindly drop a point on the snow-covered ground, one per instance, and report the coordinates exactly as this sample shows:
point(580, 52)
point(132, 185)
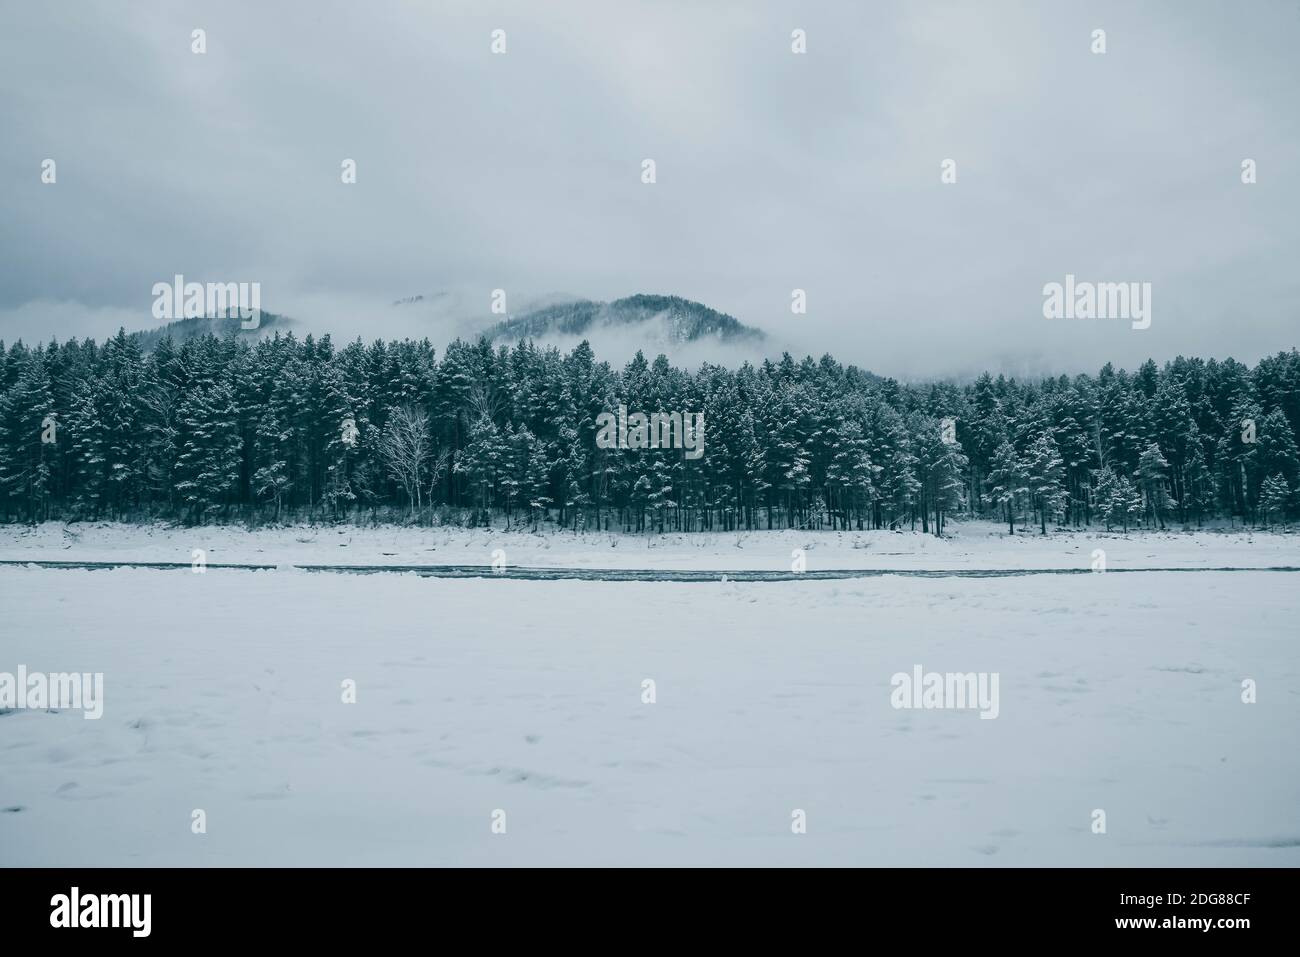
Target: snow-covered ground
point(222, 692)
point(968, 545)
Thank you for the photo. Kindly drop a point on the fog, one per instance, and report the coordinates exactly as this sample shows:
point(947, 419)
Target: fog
point(775, 171)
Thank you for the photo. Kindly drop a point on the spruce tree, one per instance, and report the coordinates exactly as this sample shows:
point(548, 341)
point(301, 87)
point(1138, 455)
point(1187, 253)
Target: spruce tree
point(1008, 482)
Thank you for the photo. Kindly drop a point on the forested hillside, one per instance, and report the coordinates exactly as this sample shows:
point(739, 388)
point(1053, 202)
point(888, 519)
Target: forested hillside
point(682, 319)
point(215, 430)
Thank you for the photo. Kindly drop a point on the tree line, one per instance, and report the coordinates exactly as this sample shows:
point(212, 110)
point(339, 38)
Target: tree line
point(217, 430)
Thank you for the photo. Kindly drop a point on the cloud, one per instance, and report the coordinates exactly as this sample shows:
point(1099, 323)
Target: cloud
point(42, 320)
point(775, 171)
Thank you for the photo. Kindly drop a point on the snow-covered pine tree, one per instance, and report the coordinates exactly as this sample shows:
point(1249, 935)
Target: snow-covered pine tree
point(1152, 474)
point(1046, 479)
point(1275, 498)
point(1008, 482)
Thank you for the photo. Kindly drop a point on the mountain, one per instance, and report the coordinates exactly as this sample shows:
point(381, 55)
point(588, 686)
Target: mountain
point(221, 326)
point(667, 319)
point(659, 322)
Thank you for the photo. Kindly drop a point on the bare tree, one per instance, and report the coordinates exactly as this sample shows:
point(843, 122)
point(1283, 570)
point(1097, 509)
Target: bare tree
point(484, 401)
point(437, 470)
point(406, 448)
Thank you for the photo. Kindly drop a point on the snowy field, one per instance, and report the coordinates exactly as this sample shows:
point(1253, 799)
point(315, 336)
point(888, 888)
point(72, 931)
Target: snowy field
point(222, 692)
point(967, 545)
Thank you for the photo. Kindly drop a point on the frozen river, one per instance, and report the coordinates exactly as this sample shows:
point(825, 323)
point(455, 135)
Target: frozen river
point(523, 705)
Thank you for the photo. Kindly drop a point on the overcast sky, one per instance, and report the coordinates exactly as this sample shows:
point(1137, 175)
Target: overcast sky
point(775, 171)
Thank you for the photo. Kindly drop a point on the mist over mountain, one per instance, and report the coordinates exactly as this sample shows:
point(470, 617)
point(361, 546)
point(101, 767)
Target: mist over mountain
point(220, 326)
point(670, 320)
point(685, 330)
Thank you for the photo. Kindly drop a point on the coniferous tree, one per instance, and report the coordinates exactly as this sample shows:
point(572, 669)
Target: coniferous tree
point(213, 429)
point(1008, 482)
point(30, 433)
point(1106, 498)
point(1152, 472)
point(1275, 498)
point(1045, 471)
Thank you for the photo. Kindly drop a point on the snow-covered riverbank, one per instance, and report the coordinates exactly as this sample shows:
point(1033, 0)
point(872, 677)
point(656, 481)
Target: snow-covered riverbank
point(970, 545)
